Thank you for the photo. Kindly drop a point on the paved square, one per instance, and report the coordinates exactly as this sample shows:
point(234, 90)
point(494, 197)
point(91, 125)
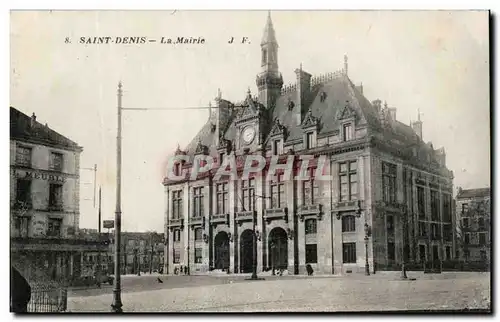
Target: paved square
point(357, 293)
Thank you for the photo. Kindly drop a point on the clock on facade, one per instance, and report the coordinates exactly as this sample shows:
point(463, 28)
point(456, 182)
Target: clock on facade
point(248, 134)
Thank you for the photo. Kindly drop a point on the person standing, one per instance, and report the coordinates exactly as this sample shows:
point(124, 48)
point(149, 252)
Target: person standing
point(20, 292)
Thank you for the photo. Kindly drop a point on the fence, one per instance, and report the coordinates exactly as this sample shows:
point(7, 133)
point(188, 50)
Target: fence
point(48, 300)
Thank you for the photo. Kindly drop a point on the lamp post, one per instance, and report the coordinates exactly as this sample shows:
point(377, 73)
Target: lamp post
point(254, 276)
point(367, 264)
point(116, 306)
point(403, 258)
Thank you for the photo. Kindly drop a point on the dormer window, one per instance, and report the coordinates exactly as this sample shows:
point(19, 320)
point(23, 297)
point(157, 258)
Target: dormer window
point(347, 132)
point(177, 169)
point(221, 158)
point(310, 143)
point(277, 147)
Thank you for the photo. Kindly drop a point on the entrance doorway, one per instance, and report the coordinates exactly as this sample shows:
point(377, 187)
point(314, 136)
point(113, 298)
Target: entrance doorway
point(221, 245)
point(278, 248)
point(246, 251)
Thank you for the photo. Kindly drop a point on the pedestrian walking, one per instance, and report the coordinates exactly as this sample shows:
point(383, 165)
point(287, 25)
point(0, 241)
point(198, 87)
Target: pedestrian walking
point(20, 292)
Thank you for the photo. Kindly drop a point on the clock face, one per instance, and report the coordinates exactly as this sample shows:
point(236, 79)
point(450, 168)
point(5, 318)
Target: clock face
point(248, 134)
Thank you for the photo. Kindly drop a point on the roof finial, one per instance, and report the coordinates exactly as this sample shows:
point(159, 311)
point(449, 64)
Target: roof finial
point(120, 84)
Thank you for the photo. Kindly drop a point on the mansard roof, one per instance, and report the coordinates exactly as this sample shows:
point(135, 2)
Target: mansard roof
point(26, 128)
point(473, 193)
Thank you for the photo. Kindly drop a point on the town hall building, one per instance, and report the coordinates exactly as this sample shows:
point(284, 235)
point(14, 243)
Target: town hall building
point(388, 198)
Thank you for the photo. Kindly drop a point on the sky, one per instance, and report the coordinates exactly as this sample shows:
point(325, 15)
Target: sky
point(433, 61)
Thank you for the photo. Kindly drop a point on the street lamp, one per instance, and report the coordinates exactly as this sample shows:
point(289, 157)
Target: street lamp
point(367, 265)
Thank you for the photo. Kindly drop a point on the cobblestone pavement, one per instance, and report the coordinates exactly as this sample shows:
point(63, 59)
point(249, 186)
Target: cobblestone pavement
point(357, 293)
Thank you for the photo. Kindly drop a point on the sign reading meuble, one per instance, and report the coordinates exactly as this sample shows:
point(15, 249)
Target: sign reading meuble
point(28, 175)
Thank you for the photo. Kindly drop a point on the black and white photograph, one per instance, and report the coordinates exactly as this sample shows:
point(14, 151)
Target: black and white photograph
point(250, 161)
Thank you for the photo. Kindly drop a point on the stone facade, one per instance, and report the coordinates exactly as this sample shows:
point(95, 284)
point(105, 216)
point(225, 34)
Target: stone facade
point(366, 211)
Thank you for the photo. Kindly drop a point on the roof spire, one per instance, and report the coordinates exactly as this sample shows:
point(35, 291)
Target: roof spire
point(269, 35)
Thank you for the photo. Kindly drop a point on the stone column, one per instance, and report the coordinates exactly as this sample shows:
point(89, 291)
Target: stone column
point(233, 206)
point(291, 205)
point(300, 231)
point(260, 206)
point(336, 224)
point(186, 209)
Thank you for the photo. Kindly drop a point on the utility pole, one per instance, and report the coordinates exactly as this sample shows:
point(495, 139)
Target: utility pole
point(100, 242)
point(116, 306)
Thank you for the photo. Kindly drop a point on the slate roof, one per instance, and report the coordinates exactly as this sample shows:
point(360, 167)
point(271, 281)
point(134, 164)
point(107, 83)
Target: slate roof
point(474, 193)
point(21, 128)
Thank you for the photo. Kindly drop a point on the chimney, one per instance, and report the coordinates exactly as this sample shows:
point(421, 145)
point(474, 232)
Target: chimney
point(33, 119)
point(377, 104)
point(360, 88)
point(303, 93)
point(417, 126)
point(392, 112)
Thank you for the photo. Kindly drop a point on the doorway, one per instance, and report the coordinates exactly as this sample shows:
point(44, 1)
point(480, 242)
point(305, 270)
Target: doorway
point(278, 248)
point(221, 245)
point(246, 251)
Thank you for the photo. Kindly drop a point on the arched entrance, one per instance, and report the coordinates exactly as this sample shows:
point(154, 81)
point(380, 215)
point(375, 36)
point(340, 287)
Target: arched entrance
point(278, 248)
point(246, 251)
point(221, 247)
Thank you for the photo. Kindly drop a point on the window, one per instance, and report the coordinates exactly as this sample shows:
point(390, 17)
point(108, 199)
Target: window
point(22, 226)
point(347, 132)
point(421, 202)
point(23, 156)
point(467, 238)
point(177, 169)
point(23, 193)
point(310, 140)
point(222, 198)
point(422, 253)
point(465, 222)
point(422, 228)
point(448, 252)
point(54, 227)
point(446, 208)
point(177, 235)
point(278, 192)
point(435, 231)
point(177, 204)
point(390, 224)
point(391, 251)
point(348, 181)
point(55, 196)
point(348, 223)
point(311, 253)
point(465, 208)
point(349, 252)
point(447, 232)
point(311, 226)
point(177, 256)
point(480, 222)
point(434, 205)
point(482, 238)
point(198, 234)
point(277, 147)
point(198, 257)
point(310, 189)
point(389, 172)
point(198, 202)
point(248, 192)
point(56, 161)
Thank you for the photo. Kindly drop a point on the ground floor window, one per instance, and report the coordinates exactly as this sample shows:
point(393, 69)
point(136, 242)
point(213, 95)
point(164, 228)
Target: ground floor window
point(198, 255)
point(349, 252)
point(311, 253)
point(177, 256)
point(391, 251)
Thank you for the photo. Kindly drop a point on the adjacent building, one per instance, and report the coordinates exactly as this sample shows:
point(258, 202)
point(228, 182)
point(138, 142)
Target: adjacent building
point(473, 209)
point(388, 197)
point(44, 200)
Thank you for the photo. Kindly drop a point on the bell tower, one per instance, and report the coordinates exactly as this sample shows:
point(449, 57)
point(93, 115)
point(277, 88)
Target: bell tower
point(269, 80)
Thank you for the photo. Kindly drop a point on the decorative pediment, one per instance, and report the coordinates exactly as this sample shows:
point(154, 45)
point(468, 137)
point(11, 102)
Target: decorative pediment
point(278, 129)
point(347, 112)
point(310, 120)
point(251, 108)
point(200, 148)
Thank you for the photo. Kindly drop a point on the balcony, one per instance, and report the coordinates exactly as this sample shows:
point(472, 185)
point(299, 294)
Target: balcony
point(243, 216)
point(197, 221)
point(392, 206)
point(219, 219)
point(310, 210)
point(275, 214)
point(348, 206)
point(22, 205)
point(55, 208)
point(176, 222)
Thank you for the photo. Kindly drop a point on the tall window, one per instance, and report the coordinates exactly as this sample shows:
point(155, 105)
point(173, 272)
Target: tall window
point(422, 228)
point(465, 208)
point(311, 253)
point(311, 226)
point(23, 156)
point(391, 251)
point(310, 188)
point(349, 252)
point(22, 226)
point(248, 192)
point(434, 205)
point(389, 172)
point(23, 192)
point(446, 208)
point(278, 192)
point(198, 257)
point(54, 227)
point(347, 132)
point(56, 161)
point(177, 256)
point(435, 231)
point(277, 147)
point(222, 198)
point(390, 224)
point(480, 222)
point(198, 234)
point(55, 196)
point(482, 238)
point(310, 140)
point(198, 202)
point(348, 223)
point(348, 181)
point(176, 204)
point(177, 235)
point(421, 202)
point(465, 222)
point(467, 238)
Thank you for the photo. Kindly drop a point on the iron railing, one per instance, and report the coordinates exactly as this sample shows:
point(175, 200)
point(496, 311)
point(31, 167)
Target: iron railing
point(48, 299)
